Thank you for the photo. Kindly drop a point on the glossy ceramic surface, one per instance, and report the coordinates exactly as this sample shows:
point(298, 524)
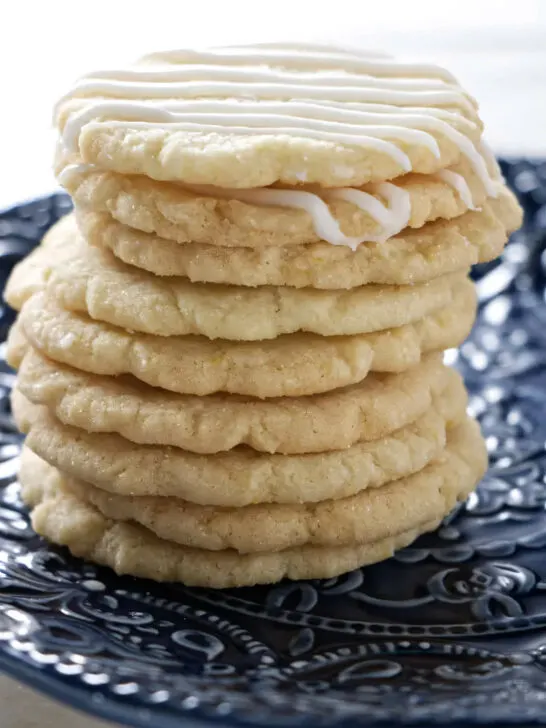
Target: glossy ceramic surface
point(451, 630)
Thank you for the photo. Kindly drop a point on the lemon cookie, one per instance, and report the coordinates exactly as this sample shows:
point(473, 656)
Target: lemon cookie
point(241, 476)
point(92, 281)
point(128, 548)
point(412, 256)
point(291, 365)
point(251, 219)
point(369, 516)
point(371, 409)
point(31, 274)
point(254, 116)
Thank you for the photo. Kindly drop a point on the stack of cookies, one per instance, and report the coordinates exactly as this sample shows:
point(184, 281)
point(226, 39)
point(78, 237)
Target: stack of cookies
point(230, 356)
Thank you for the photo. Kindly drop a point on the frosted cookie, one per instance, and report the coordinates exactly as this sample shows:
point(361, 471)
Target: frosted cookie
point(241, 476)
point(371, 409)
point(369, 516)
point(291, 365)
point(261, 218)
point(413, 256)
point(93, 281)
point(256, 116)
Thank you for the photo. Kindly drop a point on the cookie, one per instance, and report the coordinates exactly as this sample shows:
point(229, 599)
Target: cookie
point(241, 476)
point(253, 117)
point(235, 218)
point(16, 345)
point(369, 410)
point(413, 256)
point(369, 516)
point(30, 275)
point(291, 365)
point(92, 281)
point(131, 549)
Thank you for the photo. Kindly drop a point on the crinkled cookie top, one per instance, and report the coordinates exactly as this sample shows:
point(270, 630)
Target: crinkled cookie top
point(255, 116)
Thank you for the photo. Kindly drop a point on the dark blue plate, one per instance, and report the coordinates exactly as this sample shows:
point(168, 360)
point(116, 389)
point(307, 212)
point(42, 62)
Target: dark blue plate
point(450, 630)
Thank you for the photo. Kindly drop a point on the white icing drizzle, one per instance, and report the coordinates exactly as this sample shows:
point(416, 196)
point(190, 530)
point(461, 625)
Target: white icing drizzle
point(392, 218)
point(314, 91)
point(69, 173)
point(167, 82)
point(459, 184)
point(320, 47)
point(303, 56)
point(492, 166)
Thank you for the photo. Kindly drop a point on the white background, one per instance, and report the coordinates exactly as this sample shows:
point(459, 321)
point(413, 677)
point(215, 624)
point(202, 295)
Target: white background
point(497, 48)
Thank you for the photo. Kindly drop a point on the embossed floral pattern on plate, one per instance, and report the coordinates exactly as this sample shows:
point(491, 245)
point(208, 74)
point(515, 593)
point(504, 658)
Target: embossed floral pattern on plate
point(452, 629)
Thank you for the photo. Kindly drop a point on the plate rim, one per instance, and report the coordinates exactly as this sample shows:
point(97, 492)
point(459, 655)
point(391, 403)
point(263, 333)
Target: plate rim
point(114, 708)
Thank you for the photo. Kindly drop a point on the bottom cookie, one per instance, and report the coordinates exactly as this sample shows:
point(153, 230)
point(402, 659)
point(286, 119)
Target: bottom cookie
point(128, 548)
point(366, 517)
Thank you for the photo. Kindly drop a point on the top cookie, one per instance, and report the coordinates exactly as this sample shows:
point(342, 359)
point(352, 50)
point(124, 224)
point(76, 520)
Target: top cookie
point(255, 116)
